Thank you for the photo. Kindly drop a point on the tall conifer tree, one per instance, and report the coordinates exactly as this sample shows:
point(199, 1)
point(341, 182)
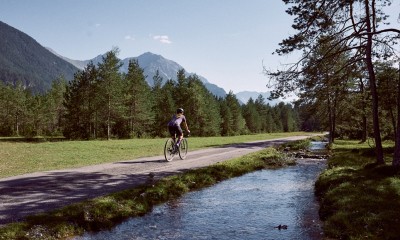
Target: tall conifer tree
point(139, 101)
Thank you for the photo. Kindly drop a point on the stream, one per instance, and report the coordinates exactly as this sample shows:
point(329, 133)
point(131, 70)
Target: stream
point(248, 207)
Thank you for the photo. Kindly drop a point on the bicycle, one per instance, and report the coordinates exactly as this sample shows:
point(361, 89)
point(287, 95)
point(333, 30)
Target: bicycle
point(171, 149)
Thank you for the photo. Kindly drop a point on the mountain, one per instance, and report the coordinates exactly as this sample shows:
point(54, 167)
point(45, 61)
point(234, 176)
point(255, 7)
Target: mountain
point(167, 69)
point(246, 95)
point(24, 60)
point(77, 63)
point(150, 63)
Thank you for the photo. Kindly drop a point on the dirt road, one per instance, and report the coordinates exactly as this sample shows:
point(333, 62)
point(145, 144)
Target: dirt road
point(29, 194)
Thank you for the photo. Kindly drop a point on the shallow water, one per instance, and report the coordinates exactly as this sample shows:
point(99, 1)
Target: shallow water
point(247, 207)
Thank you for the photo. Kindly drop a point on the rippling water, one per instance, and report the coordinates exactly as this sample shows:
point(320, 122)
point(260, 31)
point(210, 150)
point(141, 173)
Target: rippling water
point(247, 207)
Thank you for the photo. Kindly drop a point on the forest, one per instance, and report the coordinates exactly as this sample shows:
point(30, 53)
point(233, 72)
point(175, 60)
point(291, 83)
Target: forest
point(102, 103)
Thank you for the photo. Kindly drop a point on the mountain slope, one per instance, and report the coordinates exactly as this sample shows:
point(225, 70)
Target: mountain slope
point(150, 63)
point(24, 60)
point(167, 68)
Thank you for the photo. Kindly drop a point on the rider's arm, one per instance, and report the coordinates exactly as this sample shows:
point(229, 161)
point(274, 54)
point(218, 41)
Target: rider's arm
point(186, 126)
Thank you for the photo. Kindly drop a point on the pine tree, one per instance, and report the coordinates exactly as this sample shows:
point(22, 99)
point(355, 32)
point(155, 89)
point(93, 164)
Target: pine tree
point(82, 105)
point(110, 94)
point(252, 116)
point(139, 101)
point(181, 93)
point(237, 122)
point(159, 125)
point(168, 106)
point(54, 106)
point(201, 109)
point(226, 119)
point(13, 109)
point(262, 110)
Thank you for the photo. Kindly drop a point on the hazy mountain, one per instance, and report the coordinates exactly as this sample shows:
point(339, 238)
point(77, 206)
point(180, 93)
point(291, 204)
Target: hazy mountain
point(150, 63)
point(246, 95)
point(77, 63)
point(24, 60)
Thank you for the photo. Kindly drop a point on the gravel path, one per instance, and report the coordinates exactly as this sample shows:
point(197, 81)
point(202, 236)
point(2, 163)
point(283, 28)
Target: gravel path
point(33, 193)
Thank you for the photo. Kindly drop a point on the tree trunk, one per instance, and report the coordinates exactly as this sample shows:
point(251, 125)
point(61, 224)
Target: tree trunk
point(335, 100)
point(331, 131)
point(364, 115)
point(17, 124)
point(371, 73)
point(109, 119)
point(393, 120)
point(396, 155)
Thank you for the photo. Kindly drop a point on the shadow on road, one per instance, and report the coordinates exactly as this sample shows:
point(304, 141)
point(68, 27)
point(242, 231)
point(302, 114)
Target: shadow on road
point(136, 162)
point(32, 195)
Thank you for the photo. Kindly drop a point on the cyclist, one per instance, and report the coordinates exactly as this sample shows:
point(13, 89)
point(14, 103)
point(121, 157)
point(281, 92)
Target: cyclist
point(174, 125)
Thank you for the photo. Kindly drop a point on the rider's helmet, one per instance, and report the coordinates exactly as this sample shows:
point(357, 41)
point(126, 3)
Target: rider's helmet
point(179, 110)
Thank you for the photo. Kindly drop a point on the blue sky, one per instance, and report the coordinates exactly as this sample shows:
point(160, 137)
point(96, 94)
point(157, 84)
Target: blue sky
point(227, 42)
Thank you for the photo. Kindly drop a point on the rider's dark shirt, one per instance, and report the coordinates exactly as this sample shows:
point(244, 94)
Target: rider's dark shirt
point(176, 120)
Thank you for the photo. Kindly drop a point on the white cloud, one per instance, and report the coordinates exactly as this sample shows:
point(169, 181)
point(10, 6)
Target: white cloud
point(97, 25)
point(162, 39)
point(129, 37)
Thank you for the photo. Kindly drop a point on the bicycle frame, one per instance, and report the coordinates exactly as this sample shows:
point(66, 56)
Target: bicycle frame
point(170, 148)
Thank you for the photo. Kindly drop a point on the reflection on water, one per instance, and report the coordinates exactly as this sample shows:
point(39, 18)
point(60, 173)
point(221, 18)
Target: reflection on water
point(247, 207)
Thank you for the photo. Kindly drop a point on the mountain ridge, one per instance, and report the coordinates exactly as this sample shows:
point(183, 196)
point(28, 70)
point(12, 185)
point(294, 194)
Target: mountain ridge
point(24, 61)
point(150, 63)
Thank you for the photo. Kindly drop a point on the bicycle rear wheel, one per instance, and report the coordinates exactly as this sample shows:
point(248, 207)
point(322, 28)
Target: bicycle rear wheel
point(183, 148)
point(169, 150)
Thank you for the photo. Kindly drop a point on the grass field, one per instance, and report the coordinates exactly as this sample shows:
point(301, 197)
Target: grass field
point(19, 157)
point(358, 198)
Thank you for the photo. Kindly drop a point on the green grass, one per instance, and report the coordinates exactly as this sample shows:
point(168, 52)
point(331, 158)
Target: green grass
point(19, 157)
point(297, 145)
point(359, 199)
point(106, 212)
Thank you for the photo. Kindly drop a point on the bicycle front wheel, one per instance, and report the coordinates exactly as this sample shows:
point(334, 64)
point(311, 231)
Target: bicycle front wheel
point(169, 150)
point(183, 148)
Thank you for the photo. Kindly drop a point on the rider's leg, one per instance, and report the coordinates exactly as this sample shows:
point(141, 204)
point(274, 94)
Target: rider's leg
point(180, 136)
point(179, 140)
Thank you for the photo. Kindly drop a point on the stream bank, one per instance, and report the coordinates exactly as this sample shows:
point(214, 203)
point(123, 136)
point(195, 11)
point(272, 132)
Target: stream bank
point(266, 204)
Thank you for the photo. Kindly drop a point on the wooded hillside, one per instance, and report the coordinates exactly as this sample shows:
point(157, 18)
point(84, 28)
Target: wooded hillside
point(101, 102)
